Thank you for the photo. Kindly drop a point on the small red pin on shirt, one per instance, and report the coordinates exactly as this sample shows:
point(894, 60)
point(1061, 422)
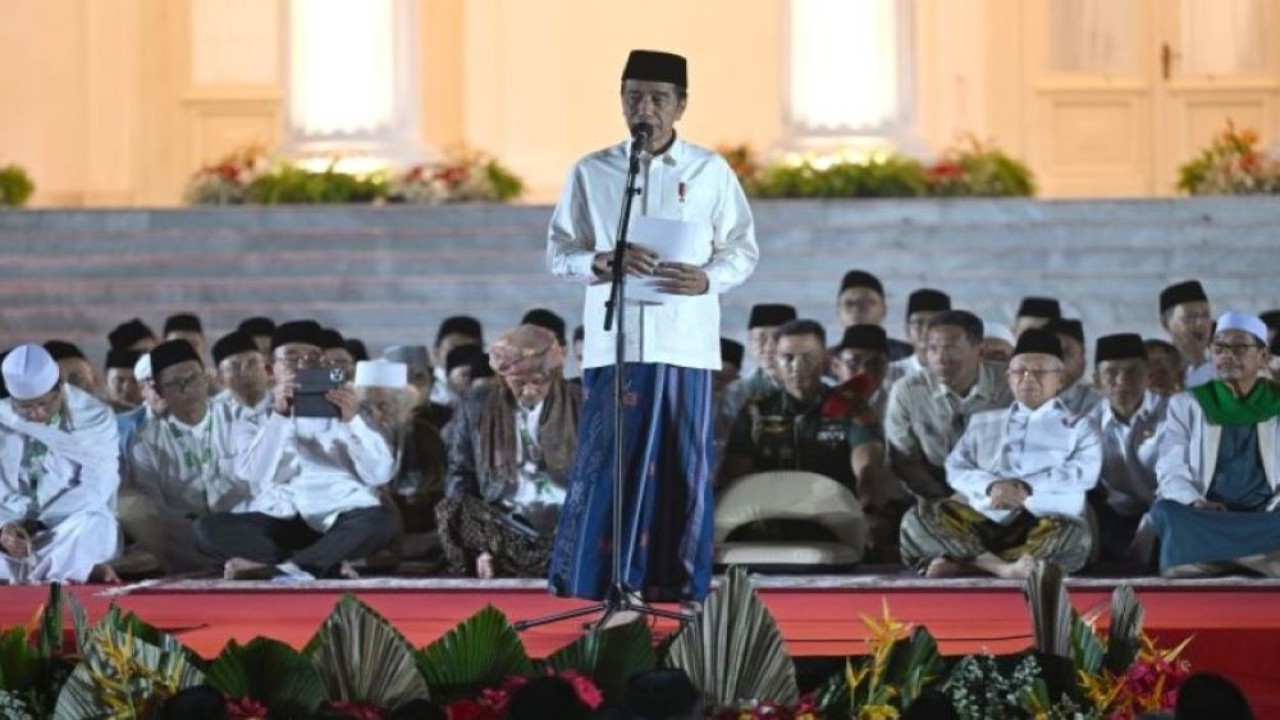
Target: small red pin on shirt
point(680, 191)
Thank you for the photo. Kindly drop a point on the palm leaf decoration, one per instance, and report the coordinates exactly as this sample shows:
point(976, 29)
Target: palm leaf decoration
point(1087, 650)
point(480, 652)
point(914, 665)
point(122, 675)
point(609, 656)
point(361, 658)
point(733, 650)
point(271, 673)
point(1050, 610)
point(1124, 639)
point(49, 636)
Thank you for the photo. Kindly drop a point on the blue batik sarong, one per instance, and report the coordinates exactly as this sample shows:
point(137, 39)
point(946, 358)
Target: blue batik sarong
point(668, 510)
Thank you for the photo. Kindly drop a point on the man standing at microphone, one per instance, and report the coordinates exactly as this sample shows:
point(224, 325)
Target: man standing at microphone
point(672, 347)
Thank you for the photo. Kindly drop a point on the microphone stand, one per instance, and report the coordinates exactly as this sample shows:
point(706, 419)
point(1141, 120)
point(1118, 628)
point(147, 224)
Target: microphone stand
point(619, 597)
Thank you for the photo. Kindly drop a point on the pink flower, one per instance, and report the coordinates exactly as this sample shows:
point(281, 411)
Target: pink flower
point(471, 710)
point(246, 709)
point(588, 692)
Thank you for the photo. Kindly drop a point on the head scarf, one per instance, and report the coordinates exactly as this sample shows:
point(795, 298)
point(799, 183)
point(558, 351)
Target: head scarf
point(527, 350)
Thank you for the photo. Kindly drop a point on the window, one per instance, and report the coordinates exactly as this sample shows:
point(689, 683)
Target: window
point(850, 69)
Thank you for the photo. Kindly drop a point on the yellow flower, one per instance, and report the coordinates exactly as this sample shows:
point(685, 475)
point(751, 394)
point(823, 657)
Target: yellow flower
point(878, 712)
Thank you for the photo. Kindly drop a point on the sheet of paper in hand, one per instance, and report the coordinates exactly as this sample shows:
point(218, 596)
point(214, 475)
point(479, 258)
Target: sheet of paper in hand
point(673, 241)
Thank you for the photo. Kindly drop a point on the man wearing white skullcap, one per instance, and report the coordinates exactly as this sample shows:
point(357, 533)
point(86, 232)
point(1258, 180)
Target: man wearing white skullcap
point(59, 471)
point(1219, 463)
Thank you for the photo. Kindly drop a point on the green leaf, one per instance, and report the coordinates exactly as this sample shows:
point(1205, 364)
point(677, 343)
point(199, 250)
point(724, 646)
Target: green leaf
point(362, 658)
point(270, 672)
point(1124, 639)
point(609, 657)
point(480, 652)
point(49, 638)
point(1050, 610)
point(144, 631)
point(733, 650)
point(914, 664)
point(79, 621)
point(20, 663)
point(1086, 649)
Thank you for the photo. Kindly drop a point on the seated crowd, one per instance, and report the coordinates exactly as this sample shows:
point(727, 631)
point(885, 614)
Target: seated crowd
point(284, 451)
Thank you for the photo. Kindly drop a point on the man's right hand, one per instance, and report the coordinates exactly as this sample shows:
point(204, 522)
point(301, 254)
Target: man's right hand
point(1007, 494)
point(1209, 505)
point(15, 541)
point(285, 384)
point(637, 260)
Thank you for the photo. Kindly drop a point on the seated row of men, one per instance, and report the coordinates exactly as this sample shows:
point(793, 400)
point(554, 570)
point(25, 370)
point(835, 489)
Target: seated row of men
point(984, 484)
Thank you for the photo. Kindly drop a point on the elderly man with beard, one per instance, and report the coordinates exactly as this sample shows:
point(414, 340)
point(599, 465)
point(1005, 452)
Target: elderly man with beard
point(242, 368)
point(1131, 420)
point(1219, 461)
point(59, 471)
point(392, 404)
point(313, 480)
point(184, 462)
point(511, 447)
point(929, 411)
point(1185, 314)
point(1021, 477)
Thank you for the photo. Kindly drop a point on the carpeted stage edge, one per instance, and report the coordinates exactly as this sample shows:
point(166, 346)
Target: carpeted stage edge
point(1235, 622)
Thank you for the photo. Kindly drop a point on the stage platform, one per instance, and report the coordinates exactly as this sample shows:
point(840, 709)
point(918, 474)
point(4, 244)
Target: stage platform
point(1235, 621)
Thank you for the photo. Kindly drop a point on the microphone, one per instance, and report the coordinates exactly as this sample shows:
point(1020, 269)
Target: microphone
point(641, 132)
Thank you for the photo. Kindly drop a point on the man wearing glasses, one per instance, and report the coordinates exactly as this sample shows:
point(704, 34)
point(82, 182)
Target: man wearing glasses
point(183, 462)
point(313, 480)
point(1021, 475)
point(1219, 463)
point(59, 471)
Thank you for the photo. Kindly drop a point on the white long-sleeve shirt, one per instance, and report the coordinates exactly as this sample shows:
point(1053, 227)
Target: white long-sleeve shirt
point(189, 470)
point(1056, 453)
point(315, 468)
point(1189, 453)
point(687, 183)
point(240, 411)
point(1129, 453)
point(79, 471)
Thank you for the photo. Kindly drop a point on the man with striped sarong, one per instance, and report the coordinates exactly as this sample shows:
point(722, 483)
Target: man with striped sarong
point(1020, 477)
point(672, 346)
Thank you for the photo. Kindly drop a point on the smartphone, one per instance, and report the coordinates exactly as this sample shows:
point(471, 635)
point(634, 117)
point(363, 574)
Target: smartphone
point(313, 384)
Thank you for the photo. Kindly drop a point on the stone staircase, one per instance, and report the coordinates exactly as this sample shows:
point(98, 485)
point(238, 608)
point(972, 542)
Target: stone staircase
point(390, 274)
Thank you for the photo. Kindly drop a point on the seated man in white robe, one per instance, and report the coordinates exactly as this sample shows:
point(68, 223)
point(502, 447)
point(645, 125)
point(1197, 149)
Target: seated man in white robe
point(313, 480)
point(1020, 476)
point(59, 470)
point(1077, 394)
point(184, 462)
point(1219, 463)
point(1131, 421)
point(242, 368)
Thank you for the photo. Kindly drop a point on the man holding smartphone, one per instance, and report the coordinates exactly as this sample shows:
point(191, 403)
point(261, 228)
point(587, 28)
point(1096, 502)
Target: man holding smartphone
point(314, 502)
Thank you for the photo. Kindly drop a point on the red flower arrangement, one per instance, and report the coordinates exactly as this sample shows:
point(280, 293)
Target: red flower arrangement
point(492, 703)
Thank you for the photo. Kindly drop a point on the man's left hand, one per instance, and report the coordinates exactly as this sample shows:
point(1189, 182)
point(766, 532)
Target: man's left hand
point(345, 399)
point(681, 279)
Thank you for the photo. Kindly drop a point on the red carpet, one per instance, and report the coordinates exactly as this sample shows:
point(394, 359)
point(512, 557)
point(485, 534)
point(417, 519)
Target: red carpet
point(1236, 628)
